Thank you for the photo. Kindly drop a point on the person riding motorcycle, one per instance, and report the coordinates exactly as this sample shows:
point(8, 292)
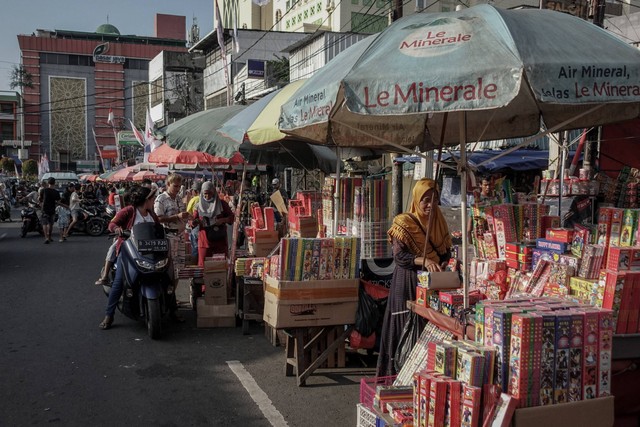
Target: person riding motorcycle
point(140, 210)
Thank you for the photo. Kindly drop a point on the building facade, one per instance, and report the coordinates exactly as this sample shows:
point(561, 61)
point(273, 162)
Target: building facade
point(76, 78)
point(11, 142)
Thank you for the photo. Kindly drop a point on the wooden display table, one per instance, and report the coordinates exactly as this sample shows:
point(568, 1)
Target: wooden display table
point(249, 300)
point(308, 349)
point(444, 322)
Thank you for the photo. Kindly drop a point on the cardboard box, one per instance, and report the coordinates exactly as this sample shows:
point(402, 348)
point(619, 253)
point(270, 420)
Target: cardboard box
point(261, 248)
point(215, 287)
point(311, 303)
point(183, 292)
point(215, 316)
point(592, 413)
point(211, 265)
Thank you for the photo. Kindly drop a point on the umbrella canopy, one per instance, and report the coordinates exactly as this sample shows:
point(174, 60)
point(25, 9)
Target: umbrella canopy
point(124, 174)
point(507, 70)
point(166, 154)
point(142, 175)
point(89, 177)
point(199, 132)
point(258, 123)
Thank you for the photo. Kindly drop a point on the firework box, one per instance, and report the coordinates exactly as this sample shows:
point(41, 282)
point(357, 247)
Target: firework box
point(470, 406)
point(576, 347)
point(563, 235)
point(549, 245)
point(422, 296)
point(520, 357)
point(584, 290)
point(618, 259)
point(437, 399)
point(614, 283)
point(562, 344)
point(592, 413)
point(439, 280)
point(605, 342)
point(590, 353)
point(547, 359)
point(452, 411)
point(311, 303)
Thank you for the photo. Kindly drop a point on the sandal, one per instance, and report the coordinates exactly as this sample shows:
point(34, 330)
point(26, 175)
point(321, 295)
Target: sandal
point(106, 323)
point(101, 282)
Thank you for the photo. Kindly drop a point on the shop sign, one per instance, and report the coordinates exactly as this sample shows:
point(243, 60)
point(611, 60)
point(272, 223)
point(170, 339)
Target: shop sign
point(99, 55)
point(255, 69)
point(577, 8)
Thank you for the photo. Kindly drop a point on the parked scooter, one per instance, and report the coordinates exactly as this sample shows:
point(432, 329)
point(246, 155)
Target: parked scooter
point(30, 220)
point(5, 208)
point(92, 222)
point(147, 288)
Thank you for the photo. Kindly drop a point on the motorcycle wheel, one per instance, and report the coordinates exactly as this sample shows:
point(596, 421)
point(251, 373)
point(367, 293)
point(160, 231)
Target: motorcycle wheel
point(23, 230)
point(154, 323)
point(95, 227)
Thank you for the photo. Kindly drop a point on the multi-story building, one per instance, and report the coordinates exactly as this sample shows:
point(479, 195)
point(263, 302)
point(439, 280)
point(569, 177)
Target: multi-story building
point(78, 77)
point(11, 142)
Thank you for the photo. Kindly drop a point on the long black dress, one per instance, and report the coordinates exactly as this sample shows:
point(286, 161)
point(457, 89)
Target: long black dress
point(403, 288)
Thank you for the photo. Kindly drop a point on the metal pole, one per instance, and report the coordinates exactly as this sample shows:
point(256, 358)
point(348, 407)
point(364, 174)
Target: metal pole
point(336, 195)
point(396, 186)
point(463, 207)
point(562, 148)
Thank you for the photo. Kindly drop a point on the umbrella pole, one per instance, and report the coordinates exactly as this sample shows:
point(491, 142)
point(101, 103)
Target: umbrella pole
point(236, 223)
point(336, 195)
point(463, 207)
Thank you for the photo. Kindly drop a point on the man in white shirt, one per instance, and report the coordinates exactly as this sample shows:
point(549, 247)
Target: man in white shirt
point(76, 210)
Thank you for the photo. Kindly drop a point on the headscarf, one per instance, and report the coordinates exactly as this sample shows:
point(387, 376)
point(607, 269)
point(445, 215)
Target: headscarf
point(408, 231)
point(209, 209)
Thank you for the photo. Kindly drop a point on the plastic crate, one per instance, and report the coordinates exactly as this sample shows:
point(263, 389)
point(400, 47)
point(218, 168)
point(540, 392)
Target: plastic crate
point(366, 417)
point(368, 388)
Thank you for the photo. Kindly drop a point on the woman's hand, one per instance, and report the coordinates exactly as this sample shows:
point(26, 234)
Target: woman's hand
point(432, 266)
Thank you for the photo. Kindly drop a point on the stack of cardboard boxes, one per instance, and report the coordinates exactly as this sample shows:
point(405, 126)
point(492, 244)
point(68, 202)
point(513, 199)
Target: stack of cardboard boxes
point(213, 310)
point(262, 235)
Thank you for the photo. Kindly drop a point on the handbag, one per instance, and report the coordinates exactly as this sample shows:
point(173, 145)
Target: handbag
point(216, 232)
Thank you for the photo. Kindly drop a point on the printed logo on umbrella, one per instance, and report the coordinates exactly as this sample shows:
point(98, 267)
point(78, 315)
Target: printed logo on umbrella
point(435, 38)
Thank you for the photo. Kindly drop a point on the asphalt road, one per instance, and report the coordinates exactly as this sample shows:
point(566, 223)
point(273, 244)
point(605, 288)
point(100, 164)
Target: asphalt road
point(57, 367)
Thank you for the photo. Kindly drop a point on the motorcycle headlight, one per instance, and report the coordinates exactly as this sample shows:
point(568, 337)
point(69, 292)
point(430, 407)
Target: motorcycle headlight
point(145, 265)
point(149, 266)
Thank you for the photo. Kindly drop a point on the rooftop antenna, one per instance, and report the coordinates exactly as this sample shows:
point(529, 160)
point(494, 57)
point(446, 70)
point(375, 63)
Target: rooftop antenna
point(107, 18)
point(194, 33)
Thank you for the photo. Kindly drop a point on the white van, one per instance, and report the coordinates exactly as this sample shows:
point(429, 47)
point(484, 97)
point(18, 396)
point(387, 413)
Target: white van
point(63, 179)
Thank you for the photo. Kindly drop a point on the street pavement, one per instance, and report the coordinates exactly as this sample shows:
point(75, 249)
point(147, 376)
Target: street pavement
point(57, 367)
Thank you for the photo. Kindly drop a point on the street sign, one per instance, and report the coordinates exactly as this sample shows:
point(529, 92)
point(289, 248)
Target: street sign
point(126, 137)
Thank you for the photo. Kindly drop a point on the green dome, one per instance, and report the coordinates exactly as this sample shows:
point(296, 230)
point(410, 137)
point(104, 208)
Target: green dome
point(107, 29)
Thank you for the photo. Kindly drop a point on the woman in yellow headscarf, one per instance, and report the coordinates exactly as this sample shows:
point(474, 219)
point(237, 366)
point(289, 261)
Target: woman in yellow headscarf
point(408, 236)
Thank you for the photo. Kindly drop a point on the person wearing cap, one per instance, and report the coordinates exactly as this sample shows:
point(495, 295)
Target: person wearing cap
point(213, 215)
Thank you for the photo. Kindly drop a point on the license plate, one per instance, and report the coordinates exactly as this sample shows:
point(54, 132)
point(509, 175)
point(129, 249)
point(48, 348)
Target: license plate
point(153, 245)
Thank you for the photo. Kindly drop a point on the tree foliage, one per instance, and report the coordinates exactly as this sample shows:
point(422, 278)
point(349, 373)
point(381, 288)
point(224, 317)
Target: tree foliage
point(278, 71)
point(7, 165)
point(29, 168)
point(20, 78)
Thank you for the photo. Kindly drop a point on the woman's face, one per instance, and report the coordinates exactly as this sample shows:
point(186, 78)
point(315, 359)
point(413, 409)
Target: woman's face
point(209, 194)
point(425, 202)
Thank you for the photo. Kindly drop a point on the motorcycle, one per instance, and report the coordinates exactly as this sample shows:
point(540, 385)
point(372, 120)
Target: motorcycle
point(30, 220)
point(5, 209)
point(92, 221)
point(147, 288)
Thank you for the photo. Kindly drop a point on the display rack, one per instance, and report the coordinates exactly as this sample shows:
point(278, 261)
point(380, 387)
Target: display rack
point(443, 322)
point(249, 301)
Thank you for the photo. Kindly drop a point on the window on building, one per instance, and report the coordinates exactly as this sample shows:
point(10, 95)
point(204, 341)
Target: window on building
point(156, 90)
point(216, 101)
point(6, 130)
point(6, 108)
point(136, 64)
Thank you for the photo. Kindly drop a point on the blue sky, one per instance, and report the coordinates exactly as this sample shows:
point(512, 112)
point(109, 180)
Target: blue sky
point(129, 16)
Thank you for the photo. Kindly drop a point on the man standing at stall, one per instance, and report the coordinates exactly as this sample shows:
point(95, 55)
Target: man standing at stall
point(173, 216)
